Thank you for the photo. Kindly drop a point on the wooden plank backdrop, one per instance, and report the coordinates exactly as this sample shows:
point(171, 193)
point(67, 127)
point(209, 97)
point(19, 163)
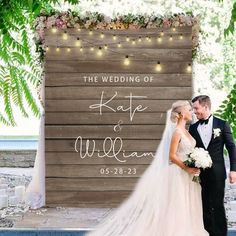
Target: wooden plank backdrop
point(95, 155)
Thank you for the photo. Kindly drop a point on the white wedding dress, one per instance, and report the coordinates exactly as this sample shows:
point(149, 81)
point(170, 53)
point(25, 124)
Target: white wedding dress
point(165, 200)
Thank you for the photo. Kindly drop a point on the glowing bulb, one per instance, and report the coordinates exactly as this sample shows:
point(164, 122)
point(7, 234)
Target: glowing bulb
point(181, 36)
point(119, 45)
point(171, 38)
point(162, 33)
point(57, 49)
point(54, 30)
point(158, 66)
point(81, 49)
point(147, 38)
point(159, 39)
point(140, 39)
point(92, 48)
point(90, 32)
point(114, 37)
point(174, 29)
point(99, 53)
point(78, 42)
point(68, 49)
point(47, 48)
point(126, 60)
point(133, 42)
point(65, 35)
point(79, 29)
point(105, 47)
point(127, 38)
point(102, 35)
point(189, 68)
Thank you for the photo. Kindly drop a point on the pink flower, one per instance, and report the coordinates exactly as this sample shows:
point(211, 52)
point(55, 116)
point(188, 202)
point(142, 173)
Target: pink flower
point(166, 23)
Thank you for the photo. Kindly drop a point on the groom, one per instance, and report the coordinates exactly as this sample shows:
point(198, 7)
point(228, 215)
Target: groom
point(212, 133)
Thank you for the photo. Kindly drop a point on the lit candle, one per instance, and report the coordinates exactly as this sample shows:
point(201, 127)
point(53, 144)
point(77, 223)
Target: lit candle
point(3, 201)
point(20, 193)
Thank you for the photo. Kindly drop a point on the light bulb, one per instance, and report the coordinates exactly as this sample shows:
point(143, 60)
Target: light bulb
point(127, 38)
point(81, 49)
point(171, 38)
point(147, 38)
point(79, 29)
point(181, 36)
point(158, 66)
point(99, 53)
point(78, 42)
point(159, 39)
point(90, 32)
point(119, 45)
point(133, 42)
point(54, 29)
point(189, 68)
point(174, 29)
point(102, 35)
point(140, 39)
point(126, 60)
point(68, 49)
point(162, 33)
point(47, 48)
point(114, 37)
point(57, 49)
point(65, 35)
point(105, 47)
point(92, 48)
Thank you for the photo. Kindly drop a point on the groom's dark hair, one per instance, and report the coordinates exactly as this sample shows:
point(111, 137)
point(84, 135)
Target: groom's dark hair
point(203, 100)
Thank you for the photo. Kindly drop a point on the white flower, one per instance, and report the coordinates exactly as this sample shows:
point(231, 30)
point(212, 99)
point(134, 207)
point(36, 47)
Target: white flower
point(216, 132)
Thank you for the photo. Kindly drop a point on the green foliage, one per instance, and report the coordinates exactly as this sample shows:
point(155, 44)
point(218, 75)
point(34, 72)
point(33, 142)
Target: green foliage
point(230, 28)
point(19, 64)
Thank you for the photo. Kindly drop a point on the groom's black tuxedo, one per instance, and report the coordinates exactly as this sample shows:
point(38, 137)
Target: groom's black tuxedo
point(213, 179)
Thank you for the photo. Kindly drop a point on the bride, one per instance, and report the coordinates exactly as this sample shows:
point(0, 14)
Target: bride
point(165, 200)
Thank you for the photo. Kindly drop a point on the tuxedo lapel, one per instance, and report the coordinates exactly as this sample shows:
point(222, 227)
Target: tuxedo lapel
point(214, 126)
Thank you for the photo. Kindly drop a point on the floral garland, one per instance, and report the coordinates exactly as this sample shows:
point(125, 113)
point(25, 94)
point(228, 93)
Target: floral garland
point(69, 19)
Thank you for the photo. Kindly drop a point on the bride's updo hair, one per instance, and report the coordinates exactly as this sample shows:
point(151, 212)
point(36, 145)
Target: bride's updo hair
point(176, 109)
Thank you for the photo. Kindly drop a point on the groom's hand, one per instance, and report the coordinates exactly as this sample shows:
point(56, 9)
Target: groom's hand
point(232, 177)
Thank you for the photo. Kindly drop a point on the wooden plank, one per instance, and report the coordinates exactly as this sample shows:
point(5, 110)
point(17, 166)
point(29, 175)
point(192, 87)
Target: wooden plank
point(71, 171)
point(107, 94)
point(67, 145)
point(142, 31)
point(117, 55)
point(104, 131)
point(82, 106)
point(60, 198)
point(73, 158)
point(78, 118)
point(109, 66)
point(114, 80)
point(90, 184)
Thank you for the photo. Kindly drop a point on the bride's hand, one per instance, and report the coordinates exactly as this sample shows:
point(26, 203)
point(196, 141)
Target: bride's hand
point(194, 171)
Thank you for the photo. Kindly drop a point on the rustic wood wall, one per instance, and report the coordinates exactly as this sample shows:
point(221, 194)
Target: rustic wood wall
point(75, 181)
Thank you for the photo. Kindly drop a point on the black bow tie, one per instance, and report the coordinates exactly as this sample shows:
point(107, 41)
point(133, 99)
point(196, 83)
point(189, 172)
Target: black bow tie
point(202, 121)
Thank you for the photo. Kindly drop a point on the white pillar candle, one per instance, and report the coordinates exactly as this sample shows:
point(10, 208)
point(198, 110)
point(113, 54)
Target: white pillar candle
point(3, 192)
point(3, 186)
point(20, 193)
point(13, 201)
point(3, 201)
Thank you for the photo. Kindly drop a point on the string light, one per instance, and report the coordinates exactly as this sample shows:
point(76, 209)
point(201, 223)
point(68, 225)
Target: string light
point(92, 48)
point(114, 37)
point(171, 38)
point(81, 49)
point(133, 42)
point(147, 38)
point(99, 53)
point(119, 45)
point(127, 38)
point(78, 42)
point(68, 49)
point(65, 35)
point(79, 29)
point(181, 36)
point(90, 32)
point(47, 48)
point(174, 29)
point(139, 39)
point(57, 49)
point(102, 35)
point(159, 39)
point(126, 60)
point(158, 66)
point(162, 33)
point(105, 47)
point(189, 68)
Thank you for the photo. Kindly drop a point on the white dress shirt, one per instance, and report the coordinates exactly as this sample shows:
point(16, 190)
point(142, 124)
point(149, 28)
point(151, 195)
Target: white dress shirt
point(205, 131)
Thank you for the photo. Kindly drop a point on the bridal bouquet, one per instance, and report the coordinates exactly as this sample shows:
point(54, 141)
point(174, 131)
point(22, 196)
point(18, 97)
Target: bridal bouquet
point(198, 158)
